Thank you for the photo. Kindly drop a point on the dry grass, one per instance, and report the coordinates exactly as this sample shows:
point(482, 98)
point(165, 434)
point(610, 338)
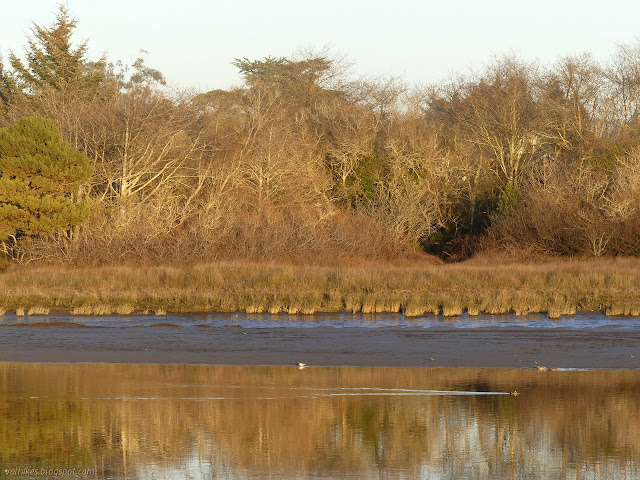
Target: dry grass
point(500, 286)
point(38, 311)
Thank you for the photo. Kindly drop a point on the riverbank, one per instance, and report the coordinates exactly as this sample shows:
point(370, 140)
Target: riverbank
point(491, 286)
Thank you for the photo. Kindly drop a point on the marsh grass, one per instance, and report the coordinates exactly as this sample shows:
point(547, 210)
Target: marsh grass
point(90, 309)
point(626, 309)
point(556, 287)
point(38, 311)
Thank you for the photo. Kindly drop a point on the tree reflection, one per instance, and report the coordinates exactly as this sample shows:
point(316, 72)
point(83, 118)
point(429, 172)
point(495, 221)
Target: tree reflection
point(274, 421)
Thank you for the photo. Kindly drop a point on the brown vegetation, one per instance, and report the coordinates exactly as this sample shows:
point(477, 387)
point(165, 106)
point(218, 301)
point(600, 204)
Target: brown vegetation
point(414, 288)
point(303, 160)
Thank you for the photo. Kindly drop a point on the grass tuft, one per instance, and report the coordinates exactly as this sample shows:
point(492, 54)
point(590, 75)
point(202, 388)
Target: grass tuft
point(38, 311)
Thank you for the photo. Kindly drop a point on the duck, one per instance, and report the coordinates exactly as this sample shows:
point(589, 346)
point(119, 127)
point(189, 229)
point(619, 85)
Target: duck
point(301, 365)
point(515, 393)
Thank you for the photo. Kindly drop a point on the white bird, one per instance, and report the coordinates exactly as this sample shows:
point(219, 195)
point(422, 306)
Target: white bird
point(541, 368)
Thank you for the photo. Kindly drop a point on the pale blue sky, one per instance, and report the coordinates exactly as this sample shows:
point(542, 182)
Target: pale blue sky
point(193, 41)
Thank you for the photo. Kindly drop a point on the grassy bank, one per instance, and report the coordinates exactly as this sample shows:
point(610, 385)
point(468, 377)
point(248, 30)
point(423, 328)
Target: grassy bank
point(488, 286)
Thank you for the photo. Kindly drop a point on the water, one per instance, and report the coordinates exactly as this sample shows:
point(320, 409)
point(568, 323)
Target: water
point(582, 320)
point(189, 396)
point(179, 421)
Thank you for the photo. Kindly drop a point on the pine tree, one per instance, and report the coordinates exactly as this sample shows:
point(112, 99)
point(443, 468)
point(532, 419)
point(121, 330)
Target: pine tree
point(8, 88)
point(296, 81)
point(39, 176)
point(53, 63)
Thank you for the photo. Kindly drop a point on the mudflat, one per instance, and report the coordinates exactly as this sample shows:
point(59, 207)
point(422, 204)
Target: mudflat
point(490, 344)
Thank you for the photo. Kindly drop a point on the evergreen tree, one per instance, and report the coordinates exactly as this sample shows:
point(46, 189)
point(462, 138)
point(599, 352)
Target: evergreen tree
point(53, 63)
point(296, 81)
point(40, 174)
point(8, 88)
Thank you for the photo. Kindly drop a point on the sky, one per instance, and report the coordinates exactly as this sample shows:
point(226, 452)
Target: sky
point(193, 42)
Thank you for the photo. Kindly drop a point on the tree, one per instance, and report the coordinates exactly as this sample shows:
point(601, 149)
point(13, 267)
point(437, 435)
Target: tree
point(8, 86)
point(296, 81)
point(40, 176)
point(500, 115)
point(53, 63)
point(56, 81)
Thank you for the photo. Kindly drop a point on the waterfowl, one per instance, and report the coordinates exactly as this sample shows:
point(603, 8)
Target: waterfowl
point(301, 365)
point(515, 393)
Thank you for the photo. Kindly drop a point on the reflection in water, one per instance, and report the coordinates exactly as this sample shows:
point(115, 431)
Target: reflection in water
point(159, 421)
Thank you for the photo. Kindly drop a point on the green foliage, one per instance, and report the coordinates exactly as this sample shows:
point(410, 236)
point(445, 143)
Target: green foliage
point(508, 199)
point(39, 175)
point(436, 243)
point(280, 71)
point(294, 81)
point(361, 186)
point(604, 159)
point(368, 174)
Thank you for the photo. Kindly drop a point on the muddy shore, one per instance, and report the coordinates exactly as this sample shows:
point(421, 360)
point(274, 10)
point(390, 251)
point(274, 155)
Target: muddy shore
point(393, 346)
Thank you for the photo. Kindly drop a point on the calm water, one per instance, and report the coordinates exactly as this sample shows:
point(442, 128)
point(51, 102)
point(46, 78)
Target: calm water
point(581, 320)
point(175, 422)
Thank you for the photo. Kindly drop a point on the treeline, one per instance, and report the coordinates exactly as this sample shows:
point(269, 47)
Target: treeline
point(304, 161)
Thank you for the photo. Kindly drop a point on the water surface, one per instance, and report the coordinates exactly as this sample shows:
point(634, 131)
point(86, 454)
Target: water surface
point(171, 421)
point(581, 320)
